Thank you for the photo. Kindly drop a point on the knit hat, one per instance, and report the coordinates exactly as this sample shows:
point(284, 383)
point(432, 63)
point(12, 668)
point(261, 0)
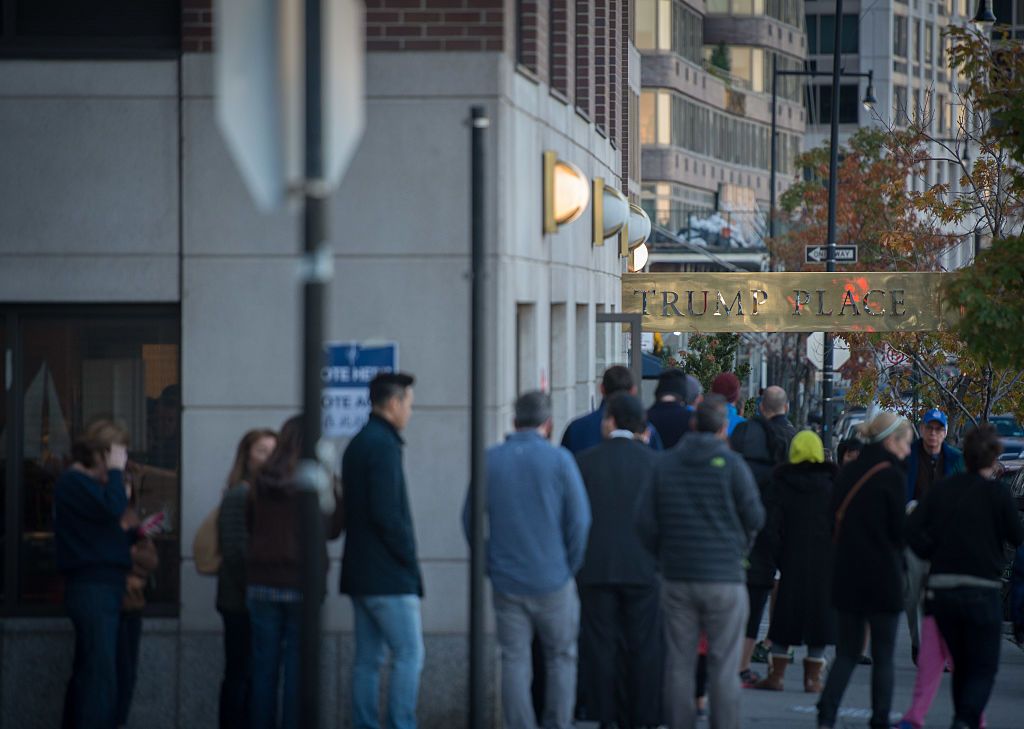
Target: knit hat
point(727, 385)
point(806, 447)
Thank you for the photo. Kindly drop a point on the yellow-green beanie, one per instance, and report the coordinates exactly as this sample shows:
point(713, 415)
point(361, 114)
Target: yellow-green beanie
point(806, 448)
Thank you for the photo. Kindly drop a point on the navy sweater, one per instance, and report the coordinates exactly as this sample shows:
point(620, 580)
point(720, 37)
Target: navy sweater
point(91, 545)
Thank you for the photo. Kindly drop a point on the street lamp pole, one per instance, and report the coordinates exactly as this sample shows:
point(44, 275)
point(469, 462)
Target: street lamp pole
point(833, 190)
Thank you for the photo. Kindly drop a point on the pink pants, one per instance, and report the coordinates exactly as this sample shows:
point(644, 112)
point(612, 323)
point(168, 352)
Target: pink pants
point(931, 660)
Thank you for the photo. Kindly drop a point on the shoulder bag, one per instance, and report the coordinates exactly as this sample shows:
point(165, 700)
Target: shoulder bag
point(841, 511)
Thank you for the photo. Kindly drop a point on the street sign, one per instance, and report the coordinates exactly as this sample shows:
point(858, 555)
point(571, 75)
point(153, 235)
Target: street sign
point(819, 254)
point(259, 79)
point(816, 351)
point(345, 381)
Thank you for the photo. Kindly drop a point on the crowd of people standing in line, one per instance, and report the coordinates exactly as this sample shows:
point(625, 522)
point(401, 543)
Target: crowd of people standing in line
point(630, 568)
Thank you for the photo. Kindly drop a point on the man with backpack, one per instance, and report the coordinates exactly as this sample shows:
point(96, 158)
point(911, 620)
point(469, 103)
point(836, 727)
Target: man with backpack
point(763, 441)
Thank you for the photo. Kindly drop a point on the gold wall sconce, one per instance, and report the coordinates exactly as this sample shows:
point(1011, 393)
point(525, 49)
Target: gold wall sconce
point(566, 192)
point(609, 212)
point(635, 238)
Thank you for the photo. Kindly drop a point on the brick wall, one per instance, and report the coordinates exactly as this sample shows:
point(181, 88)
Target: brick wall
point(435, 25)
point(196, 26)
point(601, 63)
point(584, 57)
point(533, 39)
point(562, 52)
point(624, 93)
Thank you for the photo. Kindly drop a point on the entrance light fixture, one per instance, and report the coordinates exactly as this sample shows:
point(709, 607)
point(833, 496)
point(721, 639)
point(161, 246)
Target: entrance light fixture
point(609, 212)
point(869, 95)
point(638, 258)
point(984, 19)
point(566, 192)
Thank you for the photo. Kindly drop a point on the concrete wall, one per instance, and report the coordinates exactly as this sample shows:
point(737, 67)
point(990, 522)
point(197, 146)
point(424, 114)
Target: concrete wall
point(116, 168)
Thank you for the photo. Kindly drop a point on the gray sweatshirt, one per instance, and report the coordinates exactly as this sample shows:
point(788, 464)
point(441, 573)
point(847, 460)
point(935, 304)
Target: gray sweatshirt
point(700, 512)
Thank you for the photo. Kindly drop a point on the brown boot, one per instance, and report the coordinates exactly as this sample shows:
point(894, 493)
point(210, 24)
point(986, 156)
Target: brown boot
point(776, 671)
point(813, 668)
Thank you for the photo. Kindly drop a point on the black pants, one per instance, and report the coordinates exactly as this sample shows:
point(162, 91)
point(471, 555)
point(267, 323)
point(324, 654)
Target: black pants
point(234, 689)
point(758, 597)
point(129, 636)
point(850, 643)
point(970, 620)
point(621, 654)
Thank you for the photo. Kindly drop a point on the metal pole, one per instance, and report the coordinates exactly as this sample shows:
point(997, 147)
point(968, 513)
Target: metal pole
point(833, 190)
point(771, 182)
point(316, 273)
point(478, 467)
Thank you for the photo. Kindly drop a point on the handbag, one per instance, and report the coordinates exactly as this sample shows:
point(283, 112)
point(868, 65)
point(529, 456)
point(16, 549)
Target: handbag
point(841, 511)
point(206, 545)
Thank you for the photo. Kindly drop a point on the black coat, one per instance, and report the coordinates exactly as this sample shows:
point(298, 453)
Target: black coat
point(867, 574)
point(799, 532)
point(380, 546)
point(764, 444)
point(615, 472)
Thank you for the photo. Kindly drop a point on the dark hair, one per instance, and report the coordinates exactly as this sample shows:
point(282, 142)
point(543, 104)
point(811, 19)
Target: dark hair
point(388, 385)
point(981, 447)
point(671, 382)
point(240, 468)
point(91, 447)
point(848, 445)
point(617, 379)
point(712, 414)
point(532, 409)
point(280, 465)
point(627, 411)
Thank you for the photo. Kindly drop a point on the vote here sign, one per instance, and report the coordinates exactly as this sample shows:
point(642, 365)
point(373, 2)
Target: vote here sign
point(345, 378)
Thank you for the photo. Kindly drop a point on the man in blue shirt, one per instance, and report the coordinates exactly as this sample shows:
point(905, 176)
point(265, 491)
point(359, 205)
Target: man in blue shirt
point(538, 521)
point(585, 431)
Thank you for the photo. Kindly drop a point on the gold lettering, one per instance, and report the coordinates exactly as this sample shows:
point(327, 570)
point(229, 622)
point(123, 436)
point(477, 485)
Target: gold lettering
point(689, 304)
point(867, 309)
point(736, 302)
point(665, 303)
point(848, 300)
point(821, 304)
point(799, 294)
point(753, 298)
point(643, 298)
point(898, 296)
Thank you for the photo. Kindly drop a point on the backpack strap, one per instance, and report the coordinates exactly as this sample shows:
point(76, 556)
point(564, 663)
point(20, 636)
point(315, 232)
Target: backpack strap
point(841, 512)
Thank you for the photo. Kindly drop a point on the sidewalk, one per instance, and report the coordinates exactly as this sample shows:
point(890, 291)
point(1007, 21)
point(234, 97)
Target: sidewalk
point(793, 709)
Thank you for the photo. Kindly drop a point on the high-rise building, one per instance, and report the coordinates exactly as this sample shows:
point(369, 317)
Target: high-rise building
point(705, 115)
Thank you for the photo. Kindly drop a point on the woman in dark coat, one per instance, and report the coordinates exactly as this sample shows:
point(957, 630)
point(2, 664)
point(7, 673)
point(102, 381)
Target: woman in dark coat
point(799, 531)
point(867, 576)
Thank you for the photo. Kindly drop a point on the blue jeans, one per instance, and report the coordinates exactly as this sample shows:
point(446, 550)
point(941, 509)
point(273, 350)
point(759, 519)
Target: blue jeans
point(129, 636)
point(275, 645)
point(391, 621)
point(95, 611)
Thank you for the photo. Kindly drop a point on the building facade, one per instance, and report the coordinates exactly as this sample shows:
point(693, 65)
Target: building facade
point(138, 279)
point(705, 110)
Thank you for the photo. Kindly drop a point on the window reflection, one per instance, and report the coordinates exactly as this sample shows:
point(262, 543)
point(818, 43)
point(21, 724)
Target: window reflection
point(76, 368)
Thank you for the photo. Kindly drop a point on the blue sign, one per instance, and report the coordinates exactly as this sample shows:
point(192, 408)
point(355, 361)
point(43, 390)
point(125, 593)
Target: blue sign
point(345, 378)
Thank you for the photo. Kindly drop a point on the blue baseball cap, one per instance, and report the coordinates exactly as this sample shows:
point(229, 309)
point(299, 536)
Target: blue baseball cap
point(935, 416)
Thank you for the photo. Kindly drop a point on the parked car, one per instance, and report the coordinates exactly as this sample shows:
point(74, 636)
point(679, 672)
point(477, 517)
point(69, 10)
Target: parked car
point(1011, 434)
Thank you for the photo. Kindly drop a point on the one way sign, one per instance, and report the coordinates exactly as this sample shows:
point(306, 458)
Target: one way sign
point(818, 254)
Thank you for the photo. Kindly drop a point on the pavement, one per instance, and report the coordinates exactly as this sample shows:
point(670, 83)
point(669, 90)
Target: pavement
point(794, 709)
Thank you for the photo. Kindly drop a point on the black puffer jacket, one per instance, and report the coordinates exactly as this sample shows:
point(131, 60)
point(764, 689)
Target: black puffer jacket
point(867, 575)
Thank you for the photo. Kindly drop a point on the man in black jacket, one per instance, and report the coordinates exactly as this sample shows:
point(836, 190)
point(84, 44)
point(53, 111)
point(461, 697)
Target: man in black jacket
point(618, 584)
point(379, 569)
point(763, 441)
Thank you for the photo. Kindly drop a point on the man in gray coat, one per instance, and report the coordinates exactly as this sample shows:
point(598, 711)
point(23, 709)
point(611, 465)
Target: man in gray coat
point(699, 516)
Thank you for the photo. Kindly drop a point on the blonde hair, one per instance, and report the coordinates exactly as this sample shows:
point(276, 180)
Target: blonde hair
point(92, 446)
point(882, 426)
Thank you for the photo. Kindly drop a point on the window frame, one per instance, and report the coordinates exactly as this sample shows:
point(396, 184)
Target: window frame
point(12, 313)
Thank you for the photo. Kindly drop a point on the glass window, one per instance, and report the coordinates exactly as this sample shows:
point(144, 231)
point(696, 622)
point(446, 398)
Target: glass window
point(664, 25)
point(851, 34)
point(648, 129)
point(742, 7)
point(1003, 10)
point(664, 129)
point(827, 34)
point(77, 365)
point(102, 28)
point(718, 6)
point(6, 362)
point(899, 36)
point(929, 43)
point(915, 40)
point(812, 34)
point(646, 27)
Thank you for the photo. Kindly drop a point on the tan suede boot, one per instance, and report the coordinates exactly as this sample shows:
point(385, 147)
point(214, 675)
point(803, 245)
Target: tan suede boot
point(813, 668)
point(777, 666)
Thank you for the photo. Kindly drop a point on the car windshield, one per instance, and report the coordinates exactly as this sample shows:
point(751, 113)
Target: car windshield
point(1008, 427)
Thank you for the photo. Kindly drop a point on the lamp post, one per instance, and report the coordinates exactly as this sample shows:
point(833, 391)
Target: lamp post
point(869, 102)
